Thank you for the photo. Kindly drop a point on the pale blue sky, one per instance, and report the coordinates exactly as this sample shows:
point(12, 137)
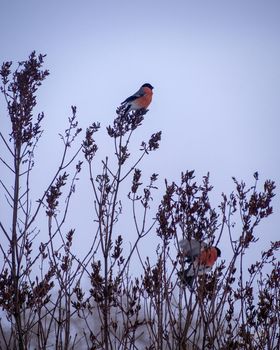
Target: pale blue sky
point(215, 70)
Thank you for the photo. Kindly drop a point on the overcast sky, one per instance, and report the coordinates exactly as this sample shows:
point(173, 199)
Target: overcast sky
point(215, 70)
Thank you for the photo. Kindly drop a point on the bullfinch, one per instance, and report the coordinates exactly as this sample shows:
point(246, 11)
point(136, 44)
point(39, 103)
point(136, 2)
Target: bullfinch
point(141, 99)
point(200, 257)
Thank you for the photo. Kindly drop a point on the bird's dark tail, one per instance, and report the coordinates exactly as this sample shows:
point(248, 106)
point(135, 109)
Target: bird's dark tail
point(189, 282)
point(186, 280)
point(126, 109)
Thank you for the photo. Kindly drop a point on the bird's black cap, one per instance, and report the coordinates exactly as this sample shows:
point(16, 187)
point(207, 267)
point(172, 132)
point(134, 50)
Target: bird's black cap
point(218, 251)
point(148, 86)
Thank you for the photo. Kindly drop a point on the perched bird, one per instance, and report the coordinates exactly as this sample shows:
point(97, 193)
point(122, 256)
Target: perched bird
point(141, 99)
point(200, 257)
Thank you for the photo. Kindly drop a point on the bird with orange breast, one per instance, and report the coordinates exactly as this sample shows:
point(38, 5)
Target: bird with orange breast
point(200, 257)
point(141, 99)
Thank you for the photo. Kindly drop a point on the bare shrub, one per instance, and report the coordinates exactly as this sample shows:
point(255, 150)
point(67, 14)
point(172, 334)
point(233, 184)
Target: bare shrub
point(52, 298)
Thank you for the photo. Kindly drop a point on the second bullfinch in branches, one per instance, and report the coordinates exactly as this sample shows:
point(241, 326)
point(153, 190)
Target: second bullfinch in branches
point(141, 99)
point(200, 257)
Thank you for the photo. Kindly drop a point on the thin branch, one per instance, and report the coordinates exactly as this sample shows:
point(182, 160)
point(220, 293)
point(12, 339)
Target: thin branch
point(5, 188)
point(7, 165)
point(133, 167)
point(7, 145)
point(72, 159)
